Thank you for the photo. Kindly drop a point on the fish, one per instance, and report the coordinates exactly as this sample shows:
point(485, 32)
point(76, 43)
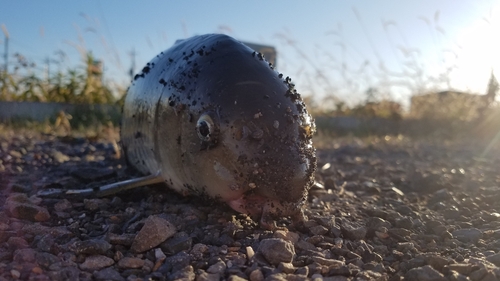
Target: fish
point(211, 117)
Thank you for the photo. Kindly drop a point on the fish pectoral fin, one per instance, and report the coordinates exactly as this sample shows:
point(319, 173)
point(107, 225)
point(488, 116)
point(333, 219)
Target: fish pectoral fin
point(121, 186)
point(104, 190)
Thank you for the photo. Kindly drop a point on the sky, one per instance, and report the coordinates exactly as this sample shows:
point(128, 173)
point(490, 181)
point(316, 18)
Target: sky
point(333, 50)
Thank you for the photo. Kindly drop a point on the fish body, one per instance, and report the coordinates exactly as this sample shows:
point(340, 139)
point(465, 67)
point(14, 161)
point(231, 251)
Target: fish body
point(212, 118)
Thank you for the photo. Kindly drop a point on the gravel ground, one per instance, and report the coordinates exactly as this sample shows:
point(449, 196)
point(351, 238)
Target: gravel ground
point(382, 210)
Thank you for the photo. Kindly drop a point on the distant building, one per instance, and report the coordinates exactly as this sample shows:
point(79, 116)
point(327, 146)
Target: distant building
point(454, 104)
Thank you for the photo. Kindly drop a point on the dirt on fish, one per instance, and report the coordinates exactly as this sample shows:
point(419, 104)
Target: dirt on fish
point(382, 209)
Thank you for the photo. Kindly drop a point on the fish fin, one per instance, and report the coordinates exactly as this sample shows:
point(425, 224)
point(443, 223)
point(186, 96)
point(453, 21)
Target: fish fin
point(104, 190)
point(121, 186)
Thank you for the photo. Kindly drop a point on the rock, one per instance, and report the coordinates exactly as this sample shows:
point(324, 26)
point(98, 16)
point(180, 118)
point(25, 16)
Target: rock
point(16, 243)
point(91, 247)
point(256, 275)
point(425, 273)
point(287, 235)
point(153, 233)
point(96, 262)
point(63, 205)
point(108, 274)
point(21, 208)
point(26, 255)
point(60, 157)
point(185, 273)
point(129, 262)
point(205, 276)
point(436, 261)
point(462, 268)
point(46, 259)
point(219, 268)
point(353, 231)
point(276, 250)
point(318, 230)
point(327, 262)
point(467, 235)
point(494, 259)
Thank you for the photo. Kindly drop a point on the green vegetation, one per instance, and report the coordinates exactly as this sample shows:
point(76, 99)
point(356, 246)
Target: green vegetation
point(81, 84)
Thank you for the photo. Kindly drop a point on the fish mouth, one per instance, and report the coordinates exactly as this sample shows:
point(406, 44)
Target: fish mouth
point(266, 210)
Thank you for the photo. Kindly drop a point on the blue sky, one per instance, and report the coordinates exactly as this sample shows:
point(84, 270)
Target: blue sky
point(335, 48)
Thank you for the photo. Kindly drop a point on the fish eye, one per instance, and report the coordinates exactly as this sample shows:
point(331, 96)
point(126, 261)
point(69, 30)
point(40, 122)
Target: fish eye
point(207, 129)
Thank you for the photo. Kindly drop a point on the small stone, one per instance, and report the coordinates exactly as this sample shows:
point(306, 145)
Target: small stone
point(250, 252)
point(15, 274)
point(60, 157)
point(353, 231)
point(46, 259)
point(129, 262)
point(91, 247)
point(108, 274)
point(123, 239)
point(437, 262)
point(205, 276)
point(96, 262)
point(318, 230)
point(219, 267)
point(287, 235)
point(425, 273)
point(490, 276)
point(468, 235)
point(153, 233)
point(276, 250)
point(185, 273)
point(462, 268)
point(256, 275)
point(28, 211)
point(494, 259)
point(327, 262)
point(63, 205)
point(26, 255)
point(478, 274)
point(16, 243)
point(286, 267)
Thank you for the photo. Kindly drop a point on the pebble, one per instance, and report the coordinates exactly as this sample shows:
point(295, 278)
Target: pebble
point(425, 273)
point(276, 250)
point(468, 235)
point(91, 247)
point(108, 274)
point(20, 207)
point(412, 232)
point(131, 262)
point(353, 231)
point(96, 262)
point(218, 268)
point(26, 255)
point(495, 259)
point(153, 233)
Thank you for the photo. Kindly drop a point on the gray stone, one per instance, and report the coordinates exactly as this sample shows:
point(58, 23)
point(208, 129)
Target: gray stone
point(26, 255)
point(153, 233)
point(276, 250)
point(425, 273)
point(108, 274)
point(495, 259)
point(91, 247)
point(96, 262)
point(468, 235)
point(219, 267)
point(353, 231)
point(130, 262)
